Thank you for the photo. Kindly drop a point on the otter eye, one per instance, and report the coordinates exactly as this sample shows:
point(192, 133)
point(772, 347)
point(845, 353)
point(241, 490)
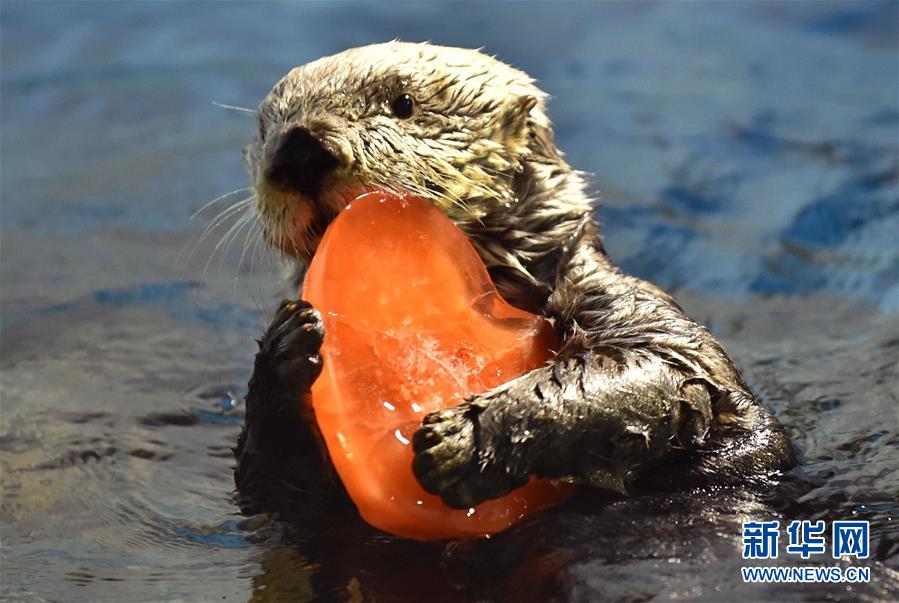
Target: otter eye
point(402, 106)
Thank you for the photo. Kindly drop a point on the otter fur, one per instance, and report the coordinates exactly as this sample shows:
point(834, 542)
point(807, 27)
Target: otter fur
point(638, 395)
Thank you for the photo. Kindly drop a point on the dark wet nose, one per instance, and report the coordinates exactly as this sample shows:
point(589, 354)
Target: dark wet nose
point(300, 162)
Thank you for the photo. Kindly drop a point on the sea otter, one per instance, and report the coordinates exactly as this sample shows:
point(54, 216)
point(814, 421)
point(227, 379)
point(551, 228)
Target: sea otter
point(638, 395)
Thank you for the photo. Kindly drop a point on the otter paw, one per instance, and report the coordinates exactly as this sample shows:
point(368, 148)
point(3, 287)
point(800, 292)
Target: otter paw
point(290, 348)
point(452, 460)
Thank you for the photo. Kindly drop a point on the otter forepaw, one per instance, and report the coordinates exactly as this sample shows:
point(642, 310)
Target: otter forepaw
point(290, 348)
point(453, 460)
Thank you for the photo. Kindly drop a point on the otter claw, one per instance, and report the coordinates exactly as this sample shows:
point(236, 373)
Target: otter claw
point(448, 459)
point(291, 345)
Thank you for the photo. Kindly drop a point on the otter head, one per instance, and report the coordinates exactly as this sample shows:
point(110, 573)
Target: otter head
point(451, 125)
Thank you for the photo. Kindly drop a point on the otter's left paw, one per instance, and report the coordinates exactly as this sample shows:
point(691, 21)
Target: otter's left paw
point(453, 460)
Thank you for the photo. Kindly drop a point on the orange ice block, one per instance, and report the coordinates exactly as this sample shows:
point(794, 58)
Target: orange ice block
point(413, 324)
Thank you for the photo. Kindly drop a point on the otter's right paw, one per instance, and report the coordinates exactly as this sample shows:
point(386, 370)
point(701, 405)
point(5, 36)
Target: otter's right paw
point(290, 349)
point(456, 460)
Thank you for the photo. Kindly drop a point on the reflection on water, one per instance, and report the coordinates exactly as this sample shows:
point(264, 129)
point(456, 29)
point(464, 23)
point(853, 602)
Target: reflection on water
point(747, 158)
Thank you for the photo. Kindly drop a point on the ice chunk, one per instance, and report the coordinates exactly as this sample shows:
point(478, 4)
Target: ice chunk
point(413, 324)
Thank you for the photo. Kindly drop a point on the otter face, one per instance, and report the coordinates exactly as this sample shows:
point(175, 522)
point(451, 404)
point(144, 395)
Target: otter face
point(447, 124)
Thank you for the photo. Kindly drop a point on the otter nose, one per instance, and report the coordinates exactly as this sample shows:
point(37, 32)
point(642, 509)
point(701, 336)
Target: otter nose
point(300, 162)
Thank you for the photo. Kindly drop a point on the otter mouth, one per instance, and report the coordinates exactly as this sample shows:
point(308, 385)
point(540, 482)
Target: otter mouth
point(298, 221)
point(300, 171)
point(322, 218)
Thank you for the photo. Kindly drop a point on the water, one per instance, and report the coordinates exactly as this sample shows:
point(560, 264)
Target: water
point(746, 155)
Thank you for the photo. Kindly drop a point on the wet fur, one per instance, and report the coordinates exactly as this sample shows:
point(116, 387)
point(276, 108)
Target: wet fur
point(639, 396)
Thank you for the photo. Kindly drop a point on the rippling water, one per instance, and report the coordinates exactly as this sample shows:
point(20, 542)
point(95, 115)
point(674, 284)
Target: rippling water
point(746, 155)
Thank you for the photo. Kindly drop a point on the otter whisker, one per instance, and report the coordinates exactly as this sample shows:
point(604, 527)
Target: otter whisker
point(239, 223)
point(248, 241)
point(275, 252)
point(226, 213)
point(236, 227)
point(258, 247)
point(249, 253)
point(251, 243)
point(220, 219)
point(234, 108)
point(299, 246)
point(245, 221)
point(205, 206)
point(214, 224)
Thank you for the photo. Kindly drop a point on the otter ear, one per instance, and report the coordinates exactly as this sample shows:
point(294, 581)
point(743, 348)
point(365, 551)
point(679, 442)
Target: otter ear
point(526, 103)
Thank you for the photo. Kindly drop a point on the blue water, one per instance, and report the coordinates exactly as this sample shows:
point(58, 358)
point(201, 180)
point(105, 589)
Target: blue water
point(746, 156)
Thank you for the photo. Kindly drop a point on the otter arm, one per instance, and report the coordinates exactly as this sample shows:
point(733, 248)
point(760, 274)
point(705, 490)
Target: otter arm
point(279, 452)
point(635, 383)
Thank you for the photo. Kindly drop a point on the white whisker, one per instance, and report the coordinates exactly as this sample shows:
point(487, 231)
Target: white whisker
point(240, 223)
point(246, 220)
point(246, 245)
point(234, 108)
point(216, 222)
point(219, 198)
